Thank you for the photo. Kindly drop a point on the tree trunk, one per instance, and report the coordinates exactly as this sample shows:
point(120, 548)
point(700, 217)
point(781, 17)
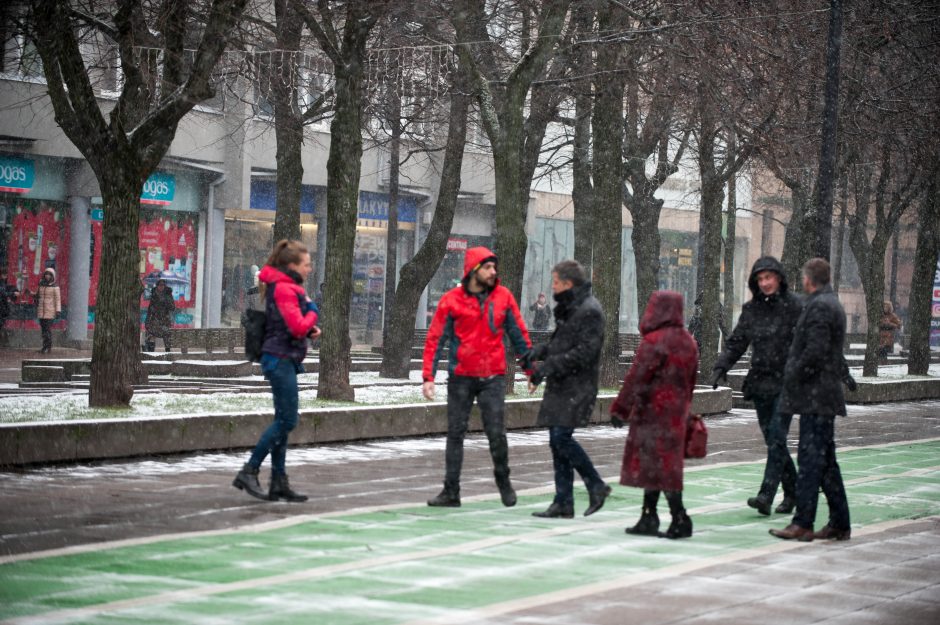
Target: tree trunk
point(288, 130)
point(795, 237)
point(342, 198)
point(825, 181)
point(115, 363)
point(391, 240)
point(712, 196)
point(582, 192)
point(645, 211)
point(926, 267)
point(871, 264)
point(731, 223)
point(288, 123)
point(838, 258)
point(417, 273)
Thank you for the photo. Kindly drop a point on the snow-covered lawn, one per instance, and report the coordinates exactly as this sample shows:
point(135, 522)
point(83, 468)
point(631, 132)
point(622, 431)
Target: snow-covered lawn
point(71, 406)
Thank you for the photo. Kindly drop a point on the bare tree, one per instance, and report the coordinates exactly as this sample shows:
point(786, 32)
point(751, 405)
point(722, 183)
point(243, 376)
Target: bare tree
point(162, 83)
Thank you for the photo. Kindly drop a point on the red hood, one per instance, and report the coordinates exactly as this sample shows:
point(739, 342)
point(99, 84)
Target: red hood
point(475, 256)
point(270, 275)
point(664, 309)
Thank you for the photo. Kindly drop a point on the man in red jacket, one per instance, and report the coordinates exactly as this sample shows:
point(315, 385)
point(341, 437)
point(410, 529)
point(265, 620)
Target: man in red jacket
point(470, 322)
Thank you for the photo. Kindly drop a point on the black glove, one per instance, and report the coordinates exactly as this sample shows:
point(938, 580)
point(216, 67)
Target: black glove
point(717, 374)
point(850, 383)
point(537, 376)
point(616, 421)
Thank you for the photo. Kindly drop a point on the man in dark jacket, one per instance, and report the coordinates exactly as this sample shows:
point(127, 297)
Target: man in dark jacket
point(766, 325)
point(570, 367)
point(471, 320)
point(812, 386)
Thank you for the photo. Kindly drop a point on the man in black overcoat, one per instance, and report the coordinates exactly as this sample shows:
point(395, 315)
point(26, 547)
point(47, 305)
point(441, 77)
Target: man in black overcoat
point(812, 387)
point(570, 365)
point(766, 326)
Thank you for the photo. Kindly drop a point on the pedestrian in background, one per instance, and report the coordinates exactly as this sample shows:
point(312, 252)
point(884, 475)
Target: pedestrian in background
point(159, 318)
point(570, 365)
point(766, 326)
point(888, 326)
point(470, 322)
point(697, 321)
point(541, 313)
point(655, 400)
point(291, 318)
point(812, 387)
point(48, 307)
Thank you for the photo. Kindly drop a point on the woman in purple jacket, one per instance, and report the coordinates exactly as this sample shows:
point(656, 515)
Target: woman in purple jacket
point(291, 320)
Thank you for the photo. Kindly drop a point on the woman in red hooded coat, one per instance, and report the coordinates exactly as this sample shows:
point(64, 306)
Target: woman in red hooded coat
point(655, 400)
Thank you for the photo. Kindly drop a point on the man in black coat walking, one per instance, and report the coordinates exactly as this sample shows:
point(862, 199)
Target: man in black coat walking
point(766, 325)
point(570, 365)
point(812, 386)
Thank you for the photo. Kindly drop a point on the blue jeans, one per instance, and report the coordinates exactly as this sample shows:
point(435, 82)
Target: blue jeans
point(490, 394)
point(818, 467)
point(282, 374)
point(779, 467)
point(567, 457)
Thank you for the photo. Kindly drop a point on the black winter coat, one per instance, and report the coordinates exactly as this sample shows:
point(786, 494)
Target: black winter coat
point(571, 359)
point(812, 382)
point(766, 325)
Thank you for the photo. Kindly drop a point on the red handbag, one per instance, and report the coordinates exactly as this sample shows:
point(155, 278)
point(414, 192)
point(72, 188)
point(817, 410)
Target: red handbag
point(696, 437)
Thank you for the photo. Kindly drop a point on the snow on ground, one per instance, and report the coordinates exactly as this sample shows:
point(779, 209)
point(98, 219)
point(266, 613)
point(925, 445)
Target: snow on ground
point(72, 406)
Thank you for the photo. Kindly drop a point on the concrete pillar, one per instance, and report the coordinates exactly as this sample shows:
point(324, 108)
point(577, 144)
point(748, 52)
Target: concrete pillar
point(79, 268)
point(214, 255)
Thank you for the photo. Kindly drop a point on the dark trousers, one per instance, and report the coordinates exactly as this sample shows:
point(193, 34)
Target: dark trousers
point(282, 375)
point(490, 394)
point(568, 456)
point(673, 497)
point(818, 467)
point(46, 326)
point(779, 467)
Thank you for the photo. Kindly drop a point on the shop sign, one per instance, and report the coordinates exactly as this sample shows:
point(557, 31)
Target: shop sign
point(375, 206)
point(16, 174)
point(456, 245)
point(159, 189)
point(935, 310)
point(97, 214)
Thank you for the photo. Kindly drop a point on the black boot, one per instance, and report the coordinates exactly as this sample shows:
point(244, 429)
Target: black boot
point(556, 511)
point(247, 480)
point(280, 489)
point(648, 525)
point(506, 492)
point(597, 499)
point(787, 505)
point(681, 526)
point(447, 498)
point(761, 504)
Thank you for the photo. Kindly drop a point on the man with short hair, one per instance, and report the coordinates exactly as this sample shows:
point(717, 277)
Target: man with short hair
point(570, 365)
point(812, 387)
point(470, 321)
point(766, 326)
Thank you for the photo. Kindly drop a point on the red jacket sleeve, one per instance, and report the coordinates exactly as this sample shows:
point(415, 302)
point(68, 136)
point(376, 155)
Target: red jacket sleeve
point(515, 328)
point(432, 344)
point(288, 304)
point(647, 359)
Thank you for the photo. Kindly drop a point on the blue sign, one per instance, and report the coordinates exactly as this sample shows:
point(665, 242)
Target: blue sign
point(16, 174)
point(375, 206)
point(97, 214)
point(264, 196)
point(159, 189)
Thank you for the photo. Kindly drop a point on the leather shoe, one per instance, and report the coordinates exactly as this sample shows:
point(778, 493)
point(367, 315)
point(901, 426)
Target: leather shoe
point(556, 511)
point(597, 500)
point(831, 533)
point(786, 506)
point(794, 531)
point(760, 504)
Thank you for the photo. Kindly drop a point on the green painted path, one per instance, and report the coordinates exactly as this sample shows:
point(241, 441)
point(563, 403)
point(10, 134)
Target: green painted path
point(419, 564)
